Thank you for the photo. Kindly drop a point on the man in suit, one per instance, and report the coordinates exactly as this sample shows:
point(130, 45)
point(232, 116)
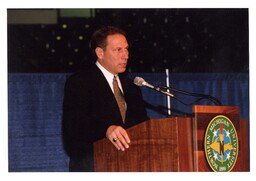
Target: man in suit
point(90, 109)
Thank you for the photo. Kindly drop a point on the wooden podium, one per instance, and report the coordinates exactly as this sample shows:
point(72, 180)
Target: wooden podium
point(173, 144)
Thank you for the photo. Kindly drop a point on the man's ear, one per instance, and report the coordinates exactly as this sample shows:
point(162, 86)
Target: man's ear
point(99, 52)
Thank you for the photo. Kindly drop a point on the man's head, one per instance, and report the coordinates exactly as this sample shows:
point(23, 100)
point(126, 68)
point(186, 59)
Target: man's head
point(111, 48)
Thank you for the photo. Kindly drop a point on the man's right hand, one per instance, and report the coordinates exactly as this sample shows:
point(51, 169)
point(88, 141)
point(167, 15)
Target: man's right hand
point(118, 136)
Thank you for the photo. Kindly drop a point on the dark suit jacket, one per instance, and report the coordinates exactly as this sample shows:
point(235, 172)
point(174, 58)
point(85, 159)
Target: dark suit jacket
point(89, 108)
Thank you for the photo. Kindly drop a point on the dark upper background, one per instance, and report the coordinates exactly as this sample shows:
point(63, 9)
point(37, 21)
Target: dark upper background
point(182, 40)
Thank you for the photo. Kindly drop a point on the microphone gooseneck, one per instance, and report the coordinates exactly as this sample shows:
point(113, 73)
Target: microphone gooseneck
point(201, 96)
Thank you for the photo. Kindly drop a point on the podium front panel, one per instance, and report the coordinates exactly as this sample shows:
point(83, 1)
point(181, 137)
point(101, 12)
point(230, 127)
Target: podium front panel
point(154, 148)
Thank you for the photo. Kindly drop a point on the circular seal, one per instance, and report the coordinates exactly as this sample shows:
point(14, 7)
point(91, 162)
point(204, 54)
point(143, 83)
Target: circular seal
point(221, 144)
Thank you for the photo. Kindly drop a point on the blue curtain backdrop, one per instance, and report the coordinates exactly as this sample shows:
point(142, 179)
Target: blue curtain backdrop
point(35, 111)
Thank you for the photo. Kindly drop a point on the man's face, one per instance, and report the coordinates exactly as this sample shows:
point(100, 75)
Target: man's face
point(115, 55)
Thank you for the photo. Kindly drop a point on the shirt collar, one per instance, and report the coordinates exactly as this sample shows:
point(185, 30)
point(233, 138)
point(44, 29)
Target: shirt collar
point(109, 76)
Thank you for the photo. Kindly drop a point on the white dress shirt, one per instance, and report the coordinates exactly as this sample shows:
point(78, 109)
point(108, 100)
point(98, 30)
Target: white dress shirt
point(109, 77)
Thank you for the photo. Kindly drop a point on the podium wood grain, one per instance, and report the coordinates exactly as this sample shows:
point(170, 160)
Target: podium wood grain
point(154, 148)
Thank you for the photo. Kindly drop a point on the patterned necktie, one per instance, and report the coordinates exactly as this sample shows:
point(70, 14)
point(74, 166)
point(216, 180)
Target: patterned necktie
point(119, 98)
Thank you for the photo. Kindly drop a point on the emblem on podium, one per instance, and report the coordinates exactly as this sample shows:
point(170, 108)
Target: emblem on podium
point(221, 144)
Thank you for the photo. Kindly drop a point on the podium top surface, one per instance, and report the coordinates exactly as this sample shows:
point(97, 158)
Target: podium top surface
point(216, 109)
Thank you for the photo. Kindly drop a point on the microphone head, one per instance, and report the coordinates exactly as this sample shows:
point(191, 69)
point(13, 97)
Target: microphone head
point(139, 81)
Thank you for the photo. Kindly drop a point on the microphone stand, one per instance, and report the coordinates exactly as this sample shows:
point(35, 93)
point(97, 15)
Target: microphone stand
point(202, 96)
point(141, 82)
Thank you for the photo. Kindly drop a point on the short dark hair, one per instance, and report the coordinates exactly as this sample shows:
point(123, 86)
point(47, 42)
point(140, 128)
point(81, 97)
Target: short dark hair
point(99, 37)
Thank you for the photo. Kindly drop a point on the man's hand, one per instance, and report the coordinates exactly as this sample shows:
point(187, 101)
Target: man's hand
point(118, 136)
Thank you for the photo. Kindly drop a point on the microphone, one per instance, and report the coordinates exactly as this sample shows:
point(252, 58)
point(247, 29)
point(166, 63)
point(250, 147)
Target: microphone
point(141, 82)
